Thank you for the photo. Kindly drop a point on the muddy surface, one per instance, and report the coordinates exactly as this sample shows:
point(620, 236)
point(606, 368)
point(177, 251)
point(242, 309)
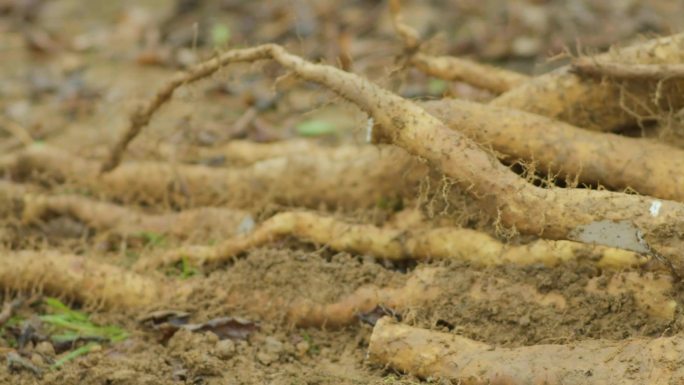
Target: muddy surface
point(72, 70)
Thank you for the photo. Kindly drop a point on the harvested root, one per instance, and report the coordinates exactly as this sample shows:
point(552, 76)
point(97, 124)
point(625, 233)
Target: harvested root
point(340, 177)
point(461, 360)
point(651, 291)
point(419, 288)
point(398, 244)
point(79, 278)
point(604, 105)
point(615, 161)
point(494, 79)
point(577, 214)
point(561, 94)
point(587, 67)
point(236, 152)
point(102, 216)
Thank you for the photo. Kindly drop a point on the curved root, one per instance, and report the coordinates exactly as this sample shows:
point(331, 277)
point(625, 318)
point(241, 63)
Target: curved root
point(397, 244)
point(451, 357)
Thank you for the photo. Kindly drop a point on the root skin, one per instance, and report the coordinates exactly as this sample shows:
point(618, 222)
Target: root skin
point(398, 244)
point(461, 360)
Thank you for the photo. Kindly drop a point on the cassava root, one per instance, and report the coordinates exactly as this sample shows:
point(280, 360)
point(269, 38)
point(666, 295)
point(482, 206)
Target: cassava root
point(210, 222)
point(397, 244)
point(558, 213)
point(562, 94)
point(490, 78)
point(348, 176)
point(458, 359)
point(611, 160)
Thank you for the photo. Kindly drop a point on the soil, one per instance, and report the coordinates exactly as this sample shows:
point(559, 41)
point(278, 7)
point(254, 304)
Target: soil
point(72, 70)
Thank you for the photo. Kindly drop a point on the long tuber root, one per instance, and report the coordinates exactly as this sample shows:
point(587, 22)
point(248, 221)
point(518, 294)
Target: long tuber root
point(397, 244)
point(235, 152)
point(559, 213)
point(103, 216)
point(562, 95)
point(78, 277)
point(615, 161)
point(347, 176)
point(604, 105)
point(494, 79)
point(590, 67)
point(461, 360)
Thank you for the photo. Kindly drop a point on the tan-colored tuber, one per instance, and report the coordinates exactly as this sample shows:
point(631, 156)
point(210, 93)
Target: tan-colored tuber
point(618, 162)
point(563, 95)
point(401, 243)
point(347, 176)
point(547, 212)
point(494, 79)
point(461, 360)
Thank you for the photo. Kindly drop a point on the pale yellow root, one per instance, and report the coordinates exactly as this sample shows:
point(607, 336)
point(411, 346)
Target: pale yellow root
point(461, 360)
point(618, 162)
point(79, 278)
point(652, 292)
point(604, 105)
point(398, 244)
point(590, 67)
point(550, 213)
point(494, 79)
point(584, 102)
point(206, 221)
point(233, 153)
point(348, 177)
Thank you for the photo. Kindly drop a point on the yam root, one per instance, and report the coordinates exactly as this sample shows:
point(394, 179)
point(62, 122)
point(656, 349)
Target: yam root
point(604, 105)
point(490, 78)
point(615, 161)
point(587, 67)
point(397, 244)
point(236, 152)
point(561, 94)
point(576, 214)
point(347, 176)
point(108, 217)
point(77, 277)
point(461, 360)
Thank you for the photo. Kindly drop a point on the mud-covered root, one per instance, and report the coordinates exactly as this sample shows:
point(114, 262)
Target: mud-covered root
point(587, 67)
point(559, 213)
point(347, 176)
point(458, 359)
point(205, 222)
point(235, 153)
point(599, 105)
point(420, 287)
point(494, 79)
point(394, 243)
point(567, 151)
point(76, 277)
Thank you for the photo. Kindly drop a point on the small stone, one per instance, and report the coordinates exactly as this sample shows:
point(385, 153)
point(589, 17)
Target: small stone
point(265, 358)
point(225, 349)
point(45, 348)
point(273, 346)
point(302, 348)
point(38, 360)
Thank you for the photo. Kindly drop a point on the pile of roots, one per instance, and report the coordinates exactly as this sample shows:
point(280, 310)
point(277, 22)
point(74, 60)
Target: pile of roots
point(587, 195)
